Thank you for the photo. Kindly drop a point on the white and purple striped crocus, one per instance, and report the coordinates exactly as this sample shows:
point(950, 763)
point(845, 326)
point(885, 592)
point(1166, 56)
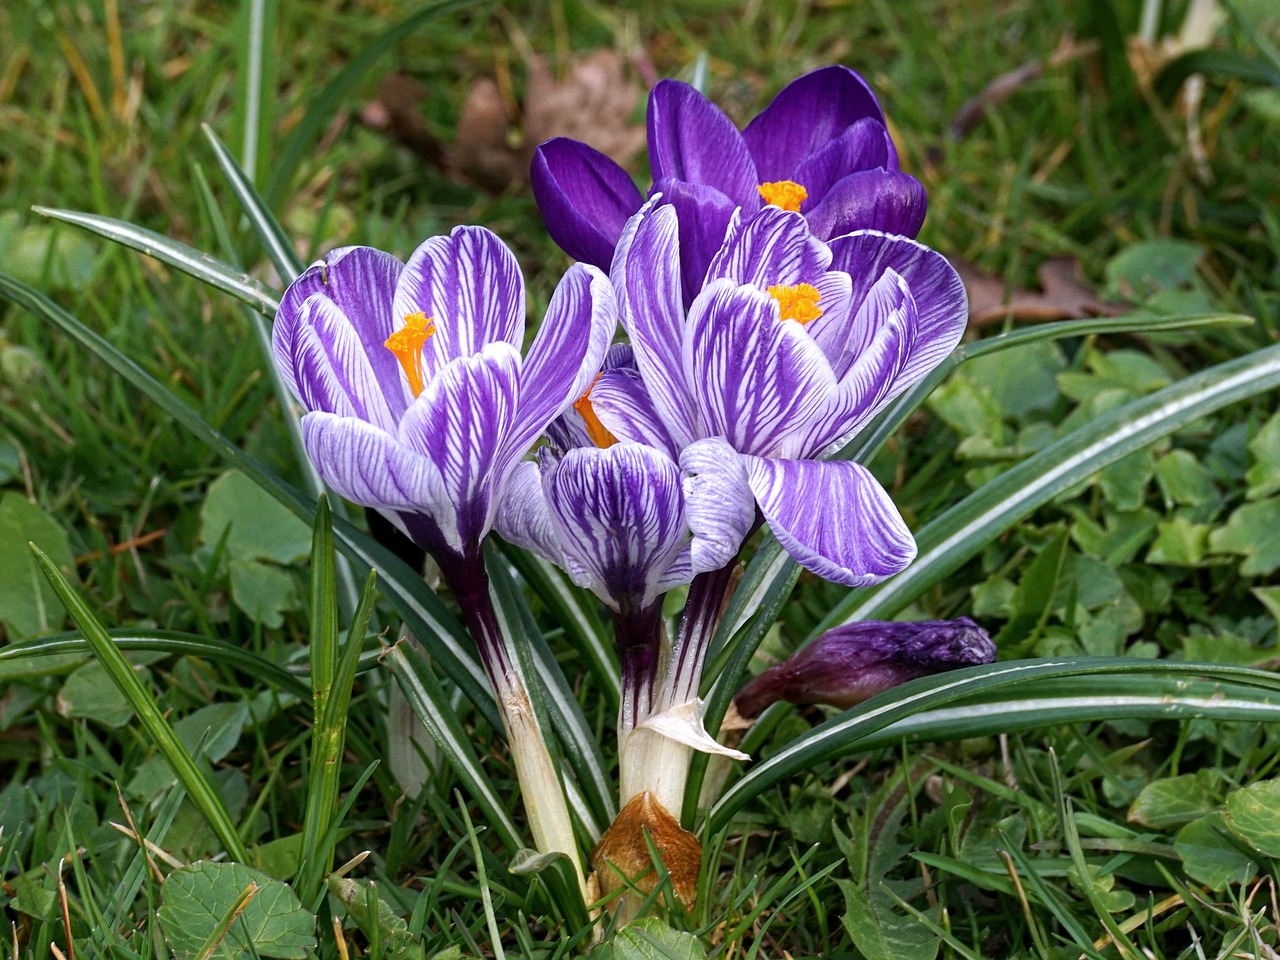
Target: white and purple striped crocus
point(820, 148)
point(419, 404)
point(418, 401)
point(790, 347)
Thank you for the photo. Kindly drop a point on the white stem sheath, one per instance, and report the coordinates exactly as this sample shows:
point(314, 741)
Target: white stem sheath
point(543, 794)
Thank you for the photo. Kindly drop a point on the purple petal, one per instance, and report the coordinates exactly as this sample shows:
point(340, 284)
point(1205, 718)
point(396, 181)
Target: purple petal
point(942, 307)
point(370, 467)
point(461, 423)
point(704, 215)
point(833, 518)
point(774, 246)
point(883, 200)
point(831, 330)
point(523, 516)
point(691, 139)
point(757, 380)
point(654, 318)
point(585, 198)
point(718, 502)
point(623, 405)
point(853, 663)
point(570, 345)
point(321, 355)
point(619, 513)
point(361, 282)
point(470, 285)
point(885, 329)
point(864, 146)
point(809, 112)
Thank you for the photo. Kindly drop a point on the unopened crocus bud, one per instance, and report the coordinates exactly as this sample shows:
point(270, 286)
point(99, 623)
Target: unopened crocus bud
point(852, 663)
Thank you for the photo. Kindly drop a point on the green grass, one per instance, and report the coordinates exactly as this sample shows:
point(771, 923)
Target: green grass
point(1037, 844)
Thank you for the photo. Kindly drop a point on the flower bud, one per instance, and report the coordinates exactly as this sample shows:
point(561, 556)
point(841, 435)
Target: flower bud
point(850, 664)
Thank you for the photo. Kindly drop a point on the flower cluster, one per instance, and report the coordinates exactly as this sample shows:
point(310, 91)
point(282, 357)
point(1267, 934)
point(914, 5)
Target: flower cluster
point(773, 301)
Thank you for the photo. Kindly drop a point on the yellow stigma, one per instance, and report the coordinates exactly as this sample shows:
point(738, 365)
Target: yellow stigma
point(786, 194)
point(799, 302)
point(406, 343)
point(600, 436)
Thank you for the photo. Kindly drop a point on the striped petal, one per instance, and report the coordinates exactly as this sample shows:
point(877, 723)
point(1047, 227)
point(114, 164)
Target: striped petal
point(461, 423)
point(623, 405)
point(654, 319)
point(757, 379)
point(570, 345)
point(321, 354)
point(620, 515)
point(872, 379)
point(773, 247)
point(470, 285)
point(691, 139)
point(832, 517)
point(718, 501)
point(523, 516)
point(942, 308)
point(369, 466)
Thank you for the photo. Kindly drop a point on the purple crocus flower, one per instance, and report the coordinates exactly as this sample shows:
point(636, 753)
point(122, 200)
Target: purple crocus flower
point(418, 401)
point(820, 148)
point(853, 663)
point(790, 347)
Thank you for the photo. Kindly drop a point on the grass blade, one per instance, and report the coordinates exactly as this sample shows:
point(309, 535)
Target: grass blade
point(176, 254)
point(966, 528)
point(265, 226)
point(255, 82)
point(1082, 700)
point(333, 673)
point(202, 793)
point(161, 641)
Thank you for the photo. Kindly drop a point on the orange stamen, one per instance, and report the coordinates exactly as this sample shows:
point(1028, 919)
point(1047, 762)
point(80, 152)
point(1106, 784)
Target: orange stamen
point(799, 303)
point(596, 430)
point(786, 194)
point(406, 343)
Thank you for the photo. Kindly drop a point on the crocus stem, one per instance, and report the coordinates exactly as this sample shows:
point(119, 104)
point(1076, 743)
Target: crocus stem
point(697, 627)
point(638, 635)
point(540, 786)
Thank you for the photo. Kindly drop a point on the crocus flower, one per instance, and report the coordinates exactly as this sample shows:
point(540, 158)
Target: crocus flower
point(850, 664)
point(418, 401)
point(820, 148)
point(419, 404)
point(788, 349)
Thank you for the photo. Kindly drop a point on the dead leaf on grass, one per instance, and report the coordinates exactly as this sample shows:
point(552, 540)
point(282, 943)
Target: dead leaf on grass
point(1064, 296)
point(596, 101)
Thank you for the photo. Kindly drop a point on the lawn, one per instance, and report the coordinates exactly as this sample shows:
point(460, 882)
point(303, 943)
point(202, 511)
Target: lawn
point(211, 743)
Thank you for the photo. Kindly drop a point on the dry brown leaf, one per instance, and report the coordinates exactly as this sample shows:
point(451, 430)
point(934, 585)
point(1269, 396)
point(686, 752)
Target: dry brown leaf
point(1064, 296)
point(395, 112)
point(622, 855)
point(595, 102)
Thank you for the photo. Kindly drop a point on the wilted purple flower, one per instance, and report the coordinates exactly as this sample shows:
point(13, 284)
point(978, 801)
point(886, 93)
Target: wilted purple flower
point(419, 402)
point(820, 148)
point(790, 347)
point(850, 664)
